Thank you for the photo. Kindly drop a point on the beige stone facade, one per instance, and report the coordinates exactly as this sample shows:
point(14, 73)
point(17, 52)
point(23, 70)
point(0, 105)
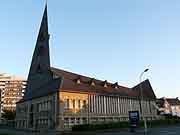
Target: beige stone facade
point(38, 113)
point(100, 108)
point(63, 110)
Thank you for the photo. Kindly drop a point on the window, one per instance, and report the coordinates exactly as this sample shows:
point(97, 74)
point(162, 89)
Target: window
point(73, 103)
point(13, 101)
point(32, 108)
point(67, 103)
point(66, 121)
point(78, 120)
point(79, 103)
point(84, 103)
point(37, 107)
point(72, 120)
point(84, 120)
point(78, 81)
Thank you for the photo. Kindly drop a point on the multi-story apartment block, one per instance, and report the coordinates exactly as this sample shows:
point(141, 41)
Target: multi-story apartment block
point(12, 90)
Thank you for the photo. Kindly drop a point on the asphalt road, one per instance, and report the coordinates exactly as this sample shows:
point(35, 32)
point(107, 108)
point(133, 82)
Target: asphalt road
point(170, 130)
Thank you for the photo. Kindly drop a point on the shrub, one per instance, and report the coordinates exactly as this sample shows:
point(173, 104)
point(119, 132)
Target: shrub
point(110, 125)
point(124, 124)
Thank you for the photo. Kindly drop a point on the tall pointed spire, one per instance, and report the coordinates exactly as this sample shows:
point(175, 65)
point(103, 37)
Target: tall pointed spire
point(40, 73)
point(44, 25)
point(41, 54)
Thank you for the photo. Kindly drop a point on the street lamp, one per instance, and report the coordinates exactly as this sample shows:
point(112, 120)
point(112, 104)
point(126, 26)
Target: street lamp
point(141, 100)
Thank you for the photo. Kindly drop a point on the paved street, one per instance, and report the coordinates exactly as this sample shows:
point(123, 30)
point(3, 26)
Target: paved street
point(171, 130)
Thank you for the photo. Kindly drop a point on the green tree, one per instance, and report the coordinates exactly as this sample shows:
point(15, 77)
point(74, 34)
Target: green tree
point(9, 115)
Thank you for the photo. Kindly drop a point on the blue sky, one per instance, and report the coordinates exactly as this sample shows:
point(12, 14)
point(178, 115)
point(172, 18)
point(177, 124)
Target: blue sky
point(105, 39)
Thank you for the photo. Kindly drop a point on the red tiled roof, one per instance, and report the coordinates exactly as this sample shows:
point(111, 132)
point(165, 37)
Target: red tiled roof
point(147, 90)
point(70, 84)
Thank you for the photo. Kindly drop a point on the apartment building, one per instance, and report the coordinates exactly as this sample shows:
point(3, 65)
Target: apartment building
point(12, 90)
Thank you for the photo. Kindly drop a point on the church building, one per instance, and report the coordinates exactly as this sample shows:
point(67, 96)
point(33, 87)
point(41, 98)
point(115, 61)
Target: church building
point(58, 99)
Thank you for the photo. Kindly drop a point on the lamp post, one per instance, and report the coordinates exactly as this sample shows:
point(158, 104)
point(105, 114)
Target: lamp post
point(141, 100)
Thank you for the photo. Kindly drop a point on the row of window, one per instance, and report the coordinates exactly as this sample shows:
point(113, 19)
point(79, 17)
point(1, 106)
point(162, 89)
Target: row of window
point(116, 105)
point(109, 105)
point(42, 121)
point(12, 93)
point(73, 121)
point(72, 103)
point(9, 101)
point(85, 120)
point(104, 83)
point(21, 123)
point(46, 105)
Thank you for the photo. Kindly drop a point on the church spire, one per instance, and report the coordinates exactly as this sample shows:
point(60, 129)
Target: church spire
point(39, 72)
point(41, 56)
point(44, 25)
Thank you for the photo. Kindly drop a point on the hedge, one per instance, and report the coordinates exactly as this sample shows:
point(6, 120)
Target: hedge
point(124, 124)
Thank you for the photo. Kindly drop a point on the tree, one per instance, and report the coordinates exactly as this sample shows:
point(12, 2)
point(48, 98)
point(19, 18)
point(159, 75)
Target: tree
point(9, 115)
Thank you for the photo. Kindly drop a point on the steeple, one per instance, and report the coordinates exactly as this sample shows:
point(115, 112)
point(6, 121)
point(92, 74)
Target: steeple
point(41, 59)
point(40, 72)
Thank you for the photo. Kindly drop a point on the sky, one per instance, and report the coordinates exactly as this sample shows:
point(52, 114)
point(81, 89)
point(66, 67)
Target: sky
point(112, 40)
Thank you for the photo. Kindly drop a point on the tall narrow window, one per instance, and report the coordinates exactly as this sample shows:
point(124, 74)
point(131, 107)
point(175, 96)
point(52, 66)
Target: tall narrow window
point(67, 103)
point(79, 103)
point(74, 103)
point(84, 103)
